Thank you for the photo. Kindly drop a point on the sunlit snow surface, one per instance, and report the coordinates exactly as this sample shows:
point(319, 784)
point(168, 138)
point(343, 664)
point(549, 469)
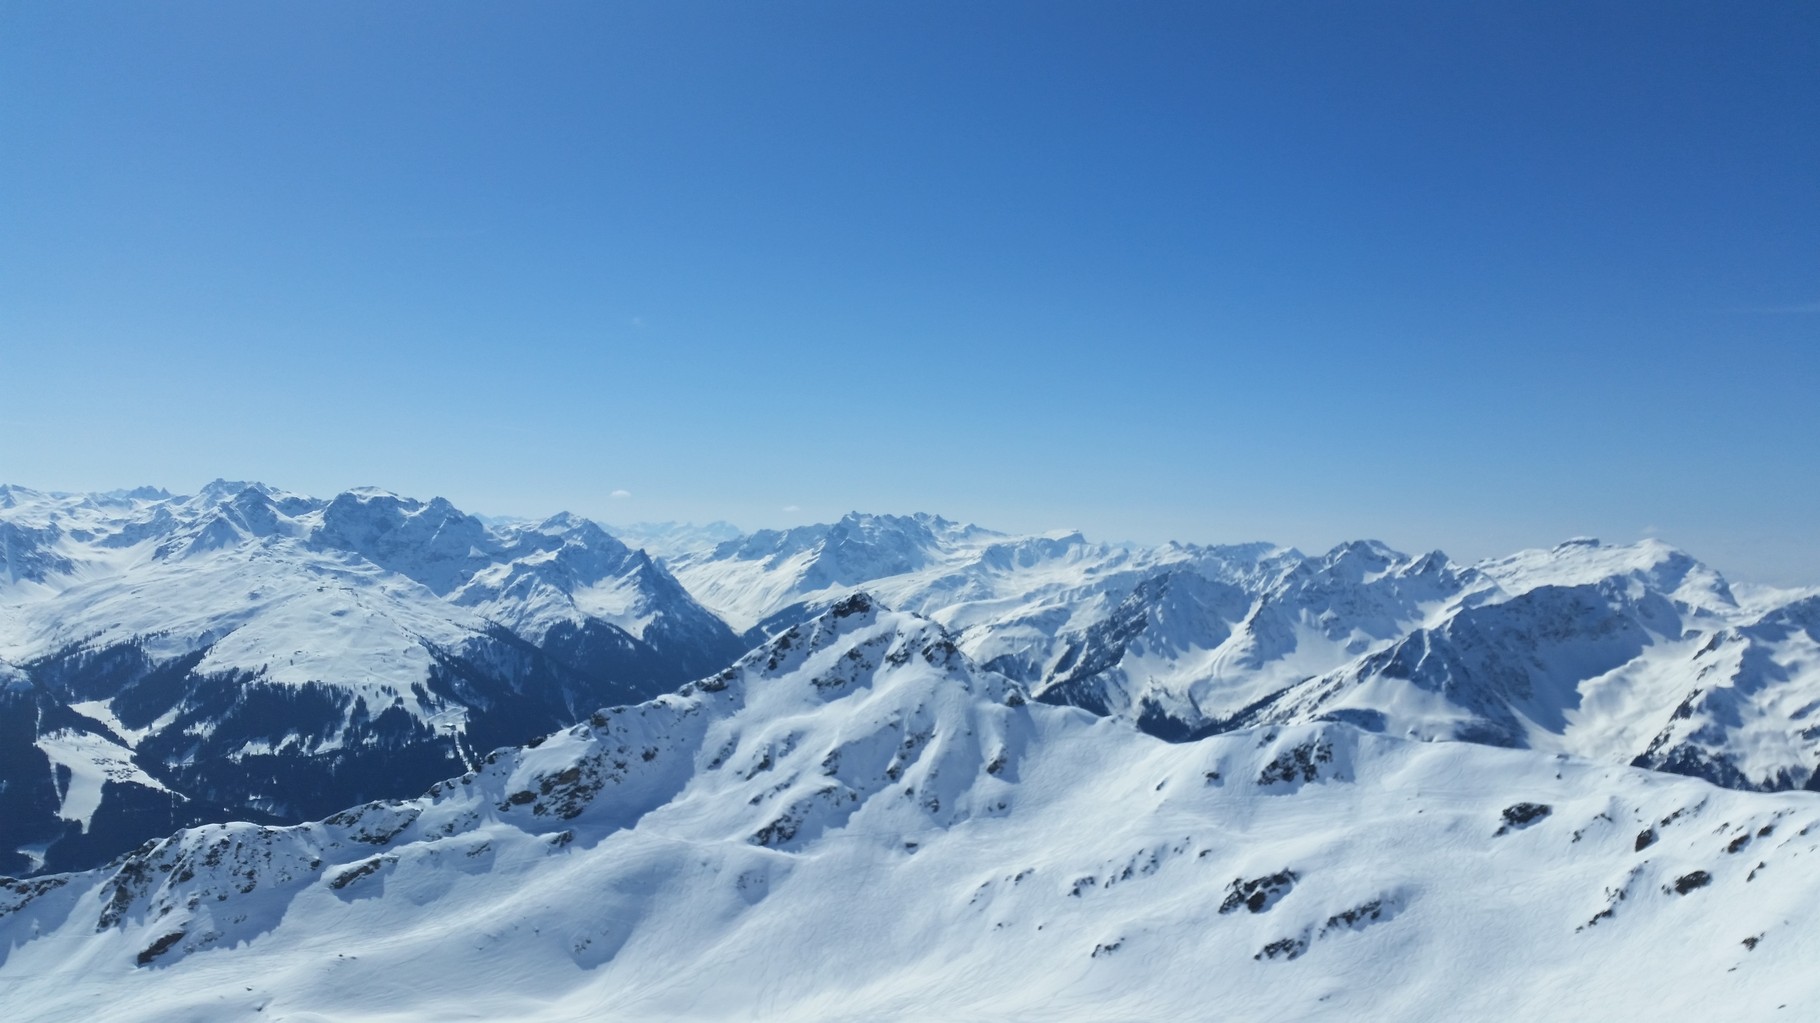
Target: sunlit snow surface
point(855, 822)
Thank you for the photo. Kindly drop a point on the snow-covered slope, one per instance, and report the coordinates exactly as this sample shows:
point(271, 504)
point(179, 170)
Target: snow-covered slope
point(252, 652)
point(1633, 654)
point(857, 822)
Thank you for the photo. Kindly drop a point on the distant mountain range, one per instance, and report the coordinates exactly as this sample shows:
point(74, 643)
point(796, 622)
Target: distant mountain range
point(249, 654)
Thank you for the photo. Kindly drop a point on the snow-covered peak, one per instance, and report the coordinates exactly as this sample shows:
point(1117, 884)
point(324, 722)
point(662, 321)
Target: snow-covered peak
point(670, 539)
point(567, 569)
point(1802, 613)
point(433, 543)
point(218, 490)
point(140, 493)
point(563, 529)
point(369, 492)
point(857, 646)
point(1365, 579)
point(27, 507)
point(31, 553)
point(11, 495)
point(1013, 553)
point(864, 547)
point(770, 545)
point(1360, 561)
point(1649, 563)
point(755, 578)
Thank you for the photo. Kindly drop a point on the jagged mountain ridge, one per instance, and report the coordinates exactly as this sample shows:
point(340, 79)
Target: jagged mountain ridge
point(252, 653)
point(857, 821)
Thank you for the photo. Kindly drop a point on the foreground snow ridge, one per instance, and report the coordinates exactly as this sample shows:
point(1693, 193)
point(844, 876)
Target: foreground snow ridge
point(856, 821)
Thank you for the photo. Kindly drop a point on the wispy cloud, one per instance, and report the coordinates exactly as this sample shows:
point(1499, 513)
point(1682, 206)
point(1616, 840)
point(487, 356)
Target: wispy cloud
point(620, 495)
point(793, 507)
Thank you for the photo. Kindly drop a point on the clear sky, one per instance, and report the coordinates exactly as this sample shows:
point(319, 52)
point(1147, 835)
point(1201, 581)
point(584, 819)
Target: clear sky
point(1475, 276)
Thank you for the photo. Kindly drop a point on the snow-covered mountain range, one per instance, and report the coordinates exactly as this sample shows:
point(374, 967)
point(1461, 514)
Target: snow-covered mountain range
point(250, 654)
point(246, 653)
point(856, 821)
point(1634, 654)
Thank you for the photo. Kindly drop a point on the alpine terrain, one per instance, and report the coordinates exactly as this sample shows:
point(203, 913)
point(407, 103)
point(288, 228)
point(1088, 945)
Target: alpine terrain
point(376, 758)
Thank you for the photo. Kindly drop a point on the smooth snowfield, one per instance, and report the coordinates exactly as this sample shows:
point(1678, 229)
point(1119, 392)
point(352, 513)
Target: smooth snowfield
point(856, 822)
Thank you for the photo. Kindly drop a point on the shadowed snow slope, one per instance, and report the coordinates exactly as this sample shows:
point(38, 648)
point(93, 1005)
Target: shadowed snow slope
point(856, 822)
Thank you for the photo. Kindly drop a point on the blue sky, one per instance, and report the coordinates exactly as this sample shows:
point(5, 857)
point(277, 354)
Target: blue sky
point(1469, 276)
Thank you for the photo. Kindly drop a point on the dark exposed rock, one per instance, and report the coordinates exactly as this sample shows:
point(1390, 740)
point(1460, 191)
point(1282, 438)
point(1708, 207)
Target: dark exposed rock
point(1364, 913)
point(1300, 762)
point(1283, 948)
point(1688, 882)
point(358, 871)
point(16, 894)
point(159, 947)
point(777, 832)
point(376, 823)
point(1522, 815)
point(1257, 894)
